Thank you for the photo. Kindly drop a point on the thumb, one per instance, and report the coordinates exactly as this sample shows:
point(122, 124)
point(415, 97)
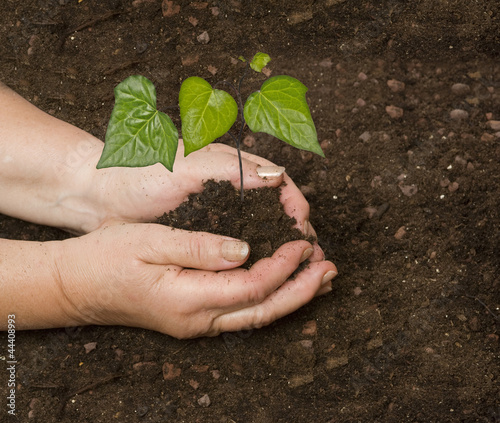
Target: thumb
point(220, 162)
point(197, 250)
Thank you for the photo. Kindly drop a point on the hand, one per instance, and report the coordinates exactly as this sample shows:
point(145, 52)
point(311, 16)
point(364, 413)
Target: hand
point(142, 194)
point(181, 283)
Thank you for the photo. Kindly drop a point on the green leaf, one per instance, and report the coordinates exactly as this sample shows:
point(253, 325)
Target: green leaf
point(259, 61)
point(206, 114)
point(280, 109)
point(138, 134)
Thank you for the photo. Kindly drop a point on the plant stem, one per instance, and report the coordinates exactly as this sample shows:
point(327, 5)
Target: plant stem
point(237, 141)
point(242, 117)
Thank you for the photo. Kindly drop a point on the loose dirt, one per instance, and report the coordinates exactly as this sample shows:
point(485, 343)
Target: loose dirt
point(405, 97)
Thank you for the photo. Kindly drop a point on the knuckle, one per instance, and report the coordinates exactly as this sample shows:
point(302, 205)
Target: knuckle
point(196, 249)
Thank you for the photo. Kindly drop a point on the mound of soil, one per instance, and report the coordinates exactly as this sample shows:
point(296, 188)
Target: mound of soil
point(259, 219)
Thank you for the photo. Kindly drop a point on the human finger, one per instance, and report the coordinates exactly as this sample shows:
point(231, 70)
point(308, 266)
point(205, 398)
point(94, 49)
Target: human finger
point(291, 295)
point(238, 288)
point(220, 162)
point(164, 245)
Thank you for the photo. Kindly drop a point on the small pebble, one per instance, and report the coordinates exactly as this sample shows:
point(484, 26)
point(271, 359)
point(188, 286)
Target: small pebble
point(142, 410)
point(360, 102)
point(266, 71)
point(200, 5)
point(376, 182)
point(326, 63)
point(310, 328)
point(203, 38)
point(298, 17)
point(444, 182)
point(394, 112)
point(306, 343)
point(487, 137)
point(408, 190)
point(306, 156)
point(395, 85)
point(362, 76)
point(334, 362)
point(370, 211)
point(141, 47)
point(204, 401)
point(170, 371)
point(460, 89)
point(494, 124)
point(400, 233)
point(91, 346)
point(143, 365)
point(453, 186)
point(190, 59)
point(459, 114)
point(365, 136)
point(169, 8)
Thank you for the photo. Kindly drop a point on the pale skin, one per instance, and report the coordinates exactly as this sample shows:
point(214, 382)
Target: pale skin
point(121, 270)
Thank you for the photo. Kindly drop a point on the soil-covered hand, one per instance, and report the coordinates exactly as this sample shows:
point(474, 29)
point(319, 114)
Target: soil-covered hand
point(182, 283)
point(142, 194)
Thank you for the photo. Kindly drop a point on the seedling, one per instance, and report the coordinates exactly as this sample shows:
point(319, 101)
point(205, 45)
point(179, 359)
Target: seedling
point(140, 135)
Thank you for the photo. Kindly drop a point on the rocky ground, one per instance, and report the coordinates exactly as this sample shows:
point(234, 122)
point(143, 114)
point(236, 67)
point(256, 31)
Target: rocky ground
point(405, 97)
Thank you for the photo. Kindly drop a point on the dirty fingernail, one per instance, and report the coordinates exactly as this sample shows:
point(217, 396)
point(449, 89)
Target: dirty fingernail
point(270, 172)
point(309, 230)
point(328, 277)
point(323, 291)
point(235, 250)
point(306, 254)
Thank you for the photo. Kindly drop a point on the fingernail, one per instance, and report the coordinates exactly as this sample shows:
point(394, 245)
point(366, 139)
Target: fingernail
point(328, 277)
point(235, 250)
point(309, 230)
point(270, 172)
point(306, 254)
point(323, 291)
point(306, 227)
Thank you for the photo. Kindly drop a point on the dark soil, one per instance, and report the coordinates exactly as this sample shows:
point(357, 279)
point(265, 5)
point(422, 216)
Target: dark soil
point(259, 219)
point(406, 204)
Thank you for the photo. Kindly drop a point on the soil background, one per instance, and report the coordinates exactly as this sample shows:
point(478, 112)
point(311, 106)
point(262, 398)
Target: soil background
point(406, 204)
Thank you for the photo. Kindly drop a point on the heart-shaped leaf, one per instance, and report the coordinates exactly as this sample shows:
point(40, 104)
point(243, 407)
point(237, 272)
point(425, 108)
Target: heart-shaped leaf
point(280, 109)
point(138, 134)
point(259, 61)
point(206, 113)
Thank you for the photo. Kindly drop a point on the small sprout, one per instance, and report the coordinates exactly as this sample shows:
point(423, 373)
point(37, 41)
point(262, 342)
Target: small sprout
point(140, 135)
point(259, 61)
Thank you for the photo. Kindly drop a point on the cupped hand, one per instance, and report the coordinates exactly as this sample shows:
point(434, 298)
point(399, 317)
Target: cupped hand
point(143, 194)
point(182, 283)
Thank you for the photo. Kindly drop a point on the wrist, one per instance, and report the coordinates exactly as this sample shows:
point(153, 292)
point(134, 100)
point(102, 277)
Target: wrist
point(31, 286)
point(77, 208)
point(73, 278)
